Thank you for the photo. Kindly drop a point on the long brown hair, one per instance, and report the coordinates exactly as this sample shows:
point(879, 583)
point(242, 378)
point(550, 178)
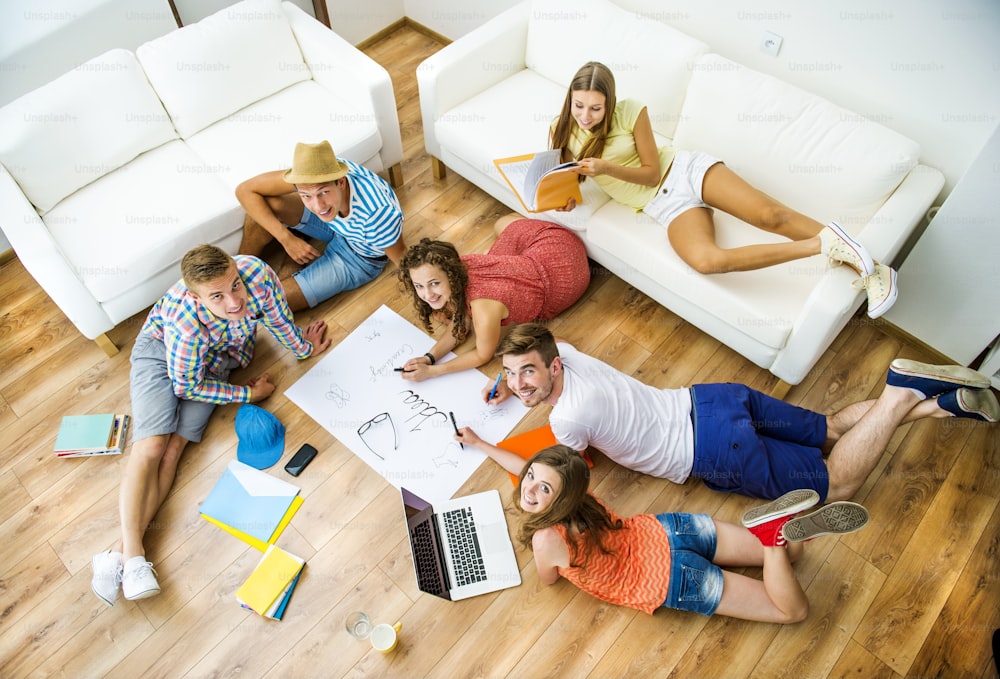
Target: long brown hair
point(444, 255)
point(573, 506)
point(596, 77)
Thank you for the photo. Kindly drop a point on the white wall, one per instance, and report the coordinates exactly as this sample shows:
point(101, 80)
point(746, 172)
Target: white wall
point(191, 11)
point(454, 18)
point(355, 20)
point(950, 283)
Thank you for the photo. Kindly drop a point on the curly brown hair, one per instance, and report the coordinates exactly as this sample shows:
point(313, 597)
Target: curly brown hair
point(595, 77)
point(573, 506)
point(441, 254)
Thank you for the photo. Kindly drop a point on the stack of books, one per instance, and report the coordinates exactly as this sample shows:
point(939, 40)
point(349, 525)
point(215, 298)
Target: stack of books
point(251, 505)
point(85, 435)
point(267, 591)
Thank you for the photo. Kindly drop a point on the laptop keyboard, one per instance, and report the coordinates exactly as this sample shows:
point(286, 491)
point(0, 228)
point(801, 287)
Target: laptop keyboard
point(466, 556)
point(425, 559)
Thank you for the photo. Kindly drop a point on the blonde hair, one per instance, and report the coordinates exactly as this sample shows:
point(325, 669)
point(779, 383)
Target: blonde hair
point(594, 77)
point(205, 263)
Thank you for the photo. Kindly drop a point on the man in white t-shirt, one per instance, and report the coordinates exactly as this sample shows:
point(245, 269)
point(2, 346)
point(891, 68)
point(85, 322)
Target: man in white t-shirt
point(734, 438)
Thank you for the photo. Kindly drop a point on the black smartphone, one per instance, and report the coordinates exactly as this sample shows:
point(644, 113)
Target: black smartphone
point(300, 460)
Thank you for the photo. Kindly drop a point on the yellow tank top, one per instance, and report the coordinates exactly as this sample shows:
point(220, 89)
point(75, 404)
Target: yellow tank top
point(620, 148)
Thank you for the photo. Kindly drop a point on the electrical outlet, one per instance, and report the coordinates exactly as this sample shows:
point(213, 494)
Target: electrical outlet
point(770, 43)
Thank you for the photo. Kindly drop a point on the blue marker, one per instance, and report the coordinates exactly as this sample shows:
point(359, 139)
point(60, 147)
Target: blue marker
point(496, 385)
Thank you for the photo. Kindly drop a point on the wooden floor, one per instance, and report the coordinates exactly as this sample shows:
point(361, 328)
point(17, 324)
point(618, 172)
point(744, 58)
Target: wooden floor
point(914, 594)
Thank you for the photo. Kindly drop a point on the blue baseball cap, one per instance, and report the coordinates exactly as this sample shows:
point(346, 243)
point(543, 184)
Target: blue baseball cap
point(261, 435)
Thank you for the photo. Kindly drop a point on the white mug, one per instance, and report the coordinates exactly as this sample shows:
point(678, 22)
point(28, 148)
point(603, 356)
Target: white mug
point(384, 636)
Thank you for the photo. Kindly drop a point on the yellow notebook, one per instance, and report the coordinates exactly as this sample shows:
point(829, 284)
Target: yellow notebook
point(269, 579)
point(540, 181)
point(257, 544)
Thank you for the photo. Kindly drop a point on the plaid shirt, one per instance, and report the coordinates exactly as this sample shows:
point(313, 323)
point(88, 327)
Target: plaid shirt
point(198, 342)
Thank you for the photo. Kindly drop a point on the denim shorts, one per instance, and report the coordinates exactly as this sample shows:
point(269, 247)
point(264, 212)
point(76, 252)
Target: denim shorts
point(681, 190)
point(338, 269)
point(695, 582)
point(156, 409)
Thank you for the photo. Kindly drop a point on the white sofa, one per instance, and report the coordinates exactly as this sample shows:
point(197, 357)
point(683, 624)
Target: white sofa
point(493, 92)
point(114, 170)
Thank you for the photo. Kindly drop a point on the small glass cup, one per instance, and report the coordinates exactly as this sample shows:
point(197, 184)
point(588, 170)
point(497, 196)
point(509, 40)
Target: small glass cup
point(358, 625)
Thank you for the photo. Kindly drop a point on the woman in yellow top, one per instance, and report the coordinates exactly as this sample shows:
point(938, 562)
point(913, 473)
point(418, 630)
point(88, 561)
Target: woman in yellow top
point(612, 141)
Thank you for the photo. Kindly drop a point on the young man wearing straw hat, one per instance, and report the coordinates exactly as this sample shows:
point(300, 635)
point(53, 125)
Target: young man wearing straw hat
point(334, 200)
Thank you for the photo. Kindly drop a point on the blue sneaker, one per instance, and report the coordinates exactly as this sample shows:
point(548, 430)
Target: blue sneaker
point(933, 380)
point(975, 404)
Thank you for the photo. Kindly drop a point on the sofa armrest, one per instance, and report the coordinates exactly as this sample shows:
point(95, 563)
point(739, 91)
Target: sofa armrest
point(826, 312)
point(41, 257)
point(475, 62)
point(352, 75)
point(888, 230)
point(834, 301)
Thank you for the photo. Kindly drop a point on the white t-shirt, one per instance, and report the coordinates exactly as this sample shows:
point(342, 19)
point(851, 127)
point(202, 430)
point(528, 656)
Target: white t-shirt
point(636, 425)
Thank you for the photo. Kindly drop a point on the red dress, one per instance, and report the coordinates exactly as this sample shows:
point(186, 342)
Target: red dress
point(537, 269)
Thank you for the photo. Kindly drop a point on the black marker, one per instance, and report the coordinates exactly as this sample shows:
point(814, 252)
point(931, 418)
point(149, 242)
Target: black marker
point(400, 370)
point(452, 416)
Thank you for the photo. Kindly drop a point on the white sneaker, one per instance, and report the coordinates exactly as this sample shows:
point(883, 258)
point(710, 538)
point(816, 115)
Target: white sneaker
point(139, 579)
point(836, 244)
point(882, 289)
point(107, 580)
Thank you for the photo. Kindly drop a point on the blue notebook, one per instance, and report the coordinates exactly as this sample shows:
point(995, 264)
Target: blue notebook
point(85, 432)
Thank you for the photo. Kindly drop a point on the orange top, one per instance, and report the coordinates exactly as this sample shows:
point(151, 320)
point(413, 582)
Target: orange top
point(637, 571)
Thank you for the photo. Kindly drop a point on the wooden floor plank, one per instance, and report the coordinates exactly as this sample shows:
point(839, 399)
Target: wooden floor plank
point(839, 596)
point(907, 606)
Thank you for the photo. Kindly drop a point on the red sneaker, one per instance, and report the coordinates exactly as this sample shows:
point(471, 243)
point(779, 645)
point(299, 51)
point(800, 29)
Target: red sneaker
point(766, 521)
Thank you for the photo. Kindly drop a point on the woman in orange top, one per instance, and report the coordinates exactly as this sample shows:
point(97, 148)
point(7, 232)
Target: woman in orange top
point(672, 560)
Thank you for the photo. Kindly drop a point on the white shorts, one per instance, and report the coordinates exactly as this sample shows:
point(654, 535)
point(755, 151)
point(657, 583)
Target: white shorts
point(681, 190)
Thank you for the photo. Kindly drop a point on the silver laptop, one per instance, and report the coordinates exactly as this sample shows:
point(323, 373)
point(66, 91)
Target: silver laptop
point(460, 548)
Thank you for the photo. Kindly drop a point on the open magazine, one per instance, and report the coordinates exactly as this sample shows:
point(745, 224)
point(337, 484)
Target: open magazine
point(540, 181)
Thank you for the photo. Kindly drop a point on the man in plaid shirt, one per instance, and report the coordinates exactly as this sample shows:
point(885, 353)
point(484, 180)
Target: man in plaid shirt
point(204, 327)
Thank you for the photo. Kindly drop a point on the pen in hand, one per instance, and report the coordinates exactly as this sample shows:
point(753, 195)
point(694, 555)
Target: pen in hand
point(496, 385)
point(401, 370)
point(452, 416)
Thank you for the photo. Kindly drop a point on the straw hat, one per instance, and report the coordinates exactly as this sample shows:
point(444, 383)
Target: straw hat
point(315, 164)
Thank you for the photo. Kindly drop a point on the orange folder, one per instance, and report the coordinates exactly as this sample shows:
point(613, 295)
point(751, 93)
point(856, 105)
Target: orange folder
point(553, 190)
point(530, 442)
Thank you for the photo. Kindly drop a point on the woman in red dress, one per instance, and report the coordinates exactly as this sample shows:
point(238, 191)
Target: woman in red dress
point(533, 271)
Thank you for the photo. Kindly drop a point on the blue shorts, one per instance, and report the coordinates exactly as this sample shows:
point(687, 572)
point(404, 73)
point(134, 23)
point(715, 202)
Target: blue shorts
point(750, 443)
point(695, 582)
point(338, 269)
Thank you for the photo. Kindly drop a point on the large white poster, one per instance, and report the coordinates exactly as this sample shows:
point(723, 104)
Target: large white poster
point(402, 429)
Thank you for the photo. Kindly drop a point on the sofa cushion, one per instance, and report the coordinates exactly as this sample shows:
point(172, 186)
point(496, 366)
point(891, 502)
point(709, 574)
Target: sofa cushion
point(762, 304)
point(81, 126)
point(223, 63)
point(132, 224)
point(262, 137)
point(565, 34)
point(808, 153)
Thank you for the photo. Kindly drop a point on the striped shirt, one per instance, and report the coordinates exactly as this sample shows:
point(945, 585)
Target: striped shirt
point(637, 571)
point(198, 342)
point(375, 221)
